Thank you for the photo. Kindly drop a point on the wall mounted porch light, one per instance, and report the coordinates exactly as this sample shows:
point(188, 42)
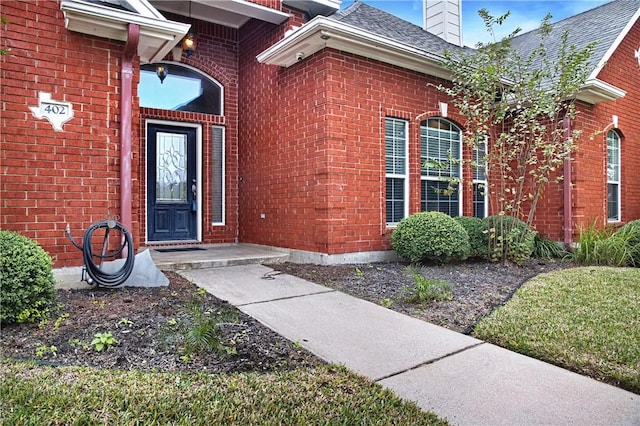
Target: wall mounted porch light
point(161, 72)
point(189, 44)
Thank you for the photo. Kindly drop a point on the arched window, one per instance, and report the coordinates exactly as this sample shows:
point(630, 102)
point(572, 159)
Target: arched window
point(441, 161)
point(183, 89)
point(613, 176)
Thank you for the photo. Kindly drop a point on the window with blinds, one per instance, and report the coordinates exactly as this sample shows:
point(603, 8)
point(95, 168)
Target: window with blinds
point(613, 176)
point(440, 157)
point(396, 160)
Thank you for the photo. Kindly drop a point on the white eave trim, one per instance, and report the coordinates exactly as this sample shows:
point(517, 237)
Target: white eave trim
point(314, 7)
point(157, 36)
point(252, 10)
point(595, 91)
point(322, 32)
point(614, 46)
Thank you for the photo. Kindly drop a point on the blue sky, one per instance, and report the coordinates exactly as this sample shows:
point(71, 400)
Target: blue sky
point(524, 14)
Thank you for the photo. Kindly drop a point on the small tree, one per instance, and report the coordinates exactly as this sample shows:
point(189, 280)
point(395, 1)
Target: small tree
point(521, 104)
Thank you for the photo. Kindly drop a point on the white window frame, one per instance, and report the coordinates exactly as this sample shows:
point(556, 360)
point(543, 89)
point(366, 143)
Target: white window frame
point(424, 177)
point(476, 180)
point(404, 176)
point(610, 180)
point(223, 163)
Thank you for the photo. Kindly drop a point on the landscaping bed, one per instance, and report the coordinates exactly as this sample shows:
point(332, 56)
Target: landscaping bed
point(477, 287)
point(149, 326)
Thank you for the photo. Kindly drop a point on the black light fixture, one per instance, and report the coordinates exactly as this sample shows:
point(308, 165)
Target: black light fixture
point(161, 72)
point(189, 42)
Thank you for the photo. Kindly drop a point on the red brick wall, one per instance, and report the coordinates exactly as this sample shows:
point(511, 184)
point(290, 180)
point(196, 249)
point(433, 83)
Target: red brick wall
point(623, 71)
point(590, 166)
point(312, 148)
point(53, 178)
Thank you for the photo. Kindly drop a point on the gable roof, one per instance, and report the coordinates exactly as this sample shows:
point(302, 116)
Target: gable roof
point(606, 24)
point(370, 32)
point(366, 31)
point(386, 25)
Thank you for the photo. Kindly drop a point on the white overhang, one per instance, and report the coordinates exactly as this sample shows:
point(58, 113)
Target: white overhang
point(314, 7)
point(230, 13)
point(322, 32)
point(594, 91)
point(157, 34)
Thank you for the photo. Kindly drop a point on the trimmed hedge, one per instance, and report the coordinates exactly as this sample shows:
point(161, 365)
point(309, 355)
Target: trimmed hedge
point(430, 236)
point(478, 237)
point(28, 286)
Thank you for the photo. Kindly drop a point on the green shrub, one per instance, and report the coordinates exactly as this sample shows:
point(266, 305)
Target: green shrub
point(430, 236)
point(509, 238)
point(478, 238)
point(630, 233)
point(28, 286)
point(544, 248)
point(425, 290)
point(597, 246)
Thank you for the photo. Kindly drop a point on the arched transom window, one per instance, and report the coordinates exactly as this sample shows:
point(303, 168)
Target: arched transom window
point(182, 89)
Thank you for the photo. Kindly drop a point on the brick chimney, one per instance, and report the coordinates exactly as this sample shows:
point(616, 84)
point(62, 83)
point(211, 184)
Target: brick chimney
point(444, 19)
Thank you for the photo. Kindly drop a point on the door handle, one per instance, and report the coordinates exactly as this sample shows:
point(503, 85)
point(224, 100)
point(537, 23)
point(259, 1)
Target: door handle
point(194, 191)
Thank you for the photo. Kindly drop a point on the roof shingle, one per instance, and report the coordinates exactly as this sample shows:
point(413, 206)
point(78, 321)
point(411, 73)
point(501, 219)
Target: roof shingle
point(384, 24)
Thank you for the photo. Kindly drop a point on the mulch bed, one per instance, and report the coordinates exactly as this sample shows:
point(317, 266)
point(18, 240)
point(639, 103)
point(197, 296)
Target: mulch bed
point(143, 321)
point(477, 287)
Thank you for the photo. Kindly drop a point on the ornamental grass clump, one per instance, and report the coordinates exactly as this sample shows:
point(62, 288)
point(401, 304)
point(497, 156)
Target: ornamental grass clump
point(545, 248)
point(600, 246)
point(425, 290)
point(28, 287)
point(430, 237)
point(630, 234)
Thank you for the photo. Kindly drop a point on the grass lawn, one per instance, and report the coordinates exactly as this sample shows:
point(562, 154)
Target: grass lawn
point(585, 319)
point(35, 394)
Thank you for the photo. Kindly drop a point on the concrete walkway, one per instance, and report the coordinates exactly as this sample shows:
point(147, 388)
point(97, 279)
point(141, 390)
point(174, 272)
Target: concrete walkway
point(460, 378)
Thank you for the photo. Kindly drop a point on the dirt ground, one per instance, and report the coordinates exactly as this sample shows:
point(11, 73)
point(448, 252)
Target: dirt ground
point(152, 325)
point(149, 325)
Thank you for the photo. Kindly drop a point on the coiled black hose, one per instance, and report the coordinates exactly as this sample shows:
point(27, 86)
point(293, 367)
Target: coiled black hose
point(98, 276)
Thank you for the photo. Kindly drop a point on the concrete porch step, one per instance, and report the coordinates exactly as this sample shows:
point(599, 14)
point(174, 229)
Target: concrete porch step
point(203, 256)
point(182, 258)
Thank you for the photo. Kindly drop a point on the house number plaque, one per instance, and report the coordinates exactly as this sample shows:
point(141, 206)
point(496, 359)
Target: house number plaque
point(57, 112)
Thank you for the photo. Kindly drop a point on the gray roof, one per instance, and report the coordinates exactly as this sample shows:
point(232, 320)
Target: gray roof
point(384, 24)
point(602, 24)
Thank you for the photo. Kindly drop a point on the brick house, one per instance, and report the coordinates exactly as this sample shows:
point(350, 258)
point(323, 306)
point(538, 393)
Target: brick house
point(292, 124)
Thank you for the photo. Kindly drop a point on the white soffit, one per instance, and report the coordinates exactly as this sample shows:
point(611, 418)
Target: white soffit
point(157, 34)
point(230, 13)
point(314, 7)
point(322, 32)
point(595, 91)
